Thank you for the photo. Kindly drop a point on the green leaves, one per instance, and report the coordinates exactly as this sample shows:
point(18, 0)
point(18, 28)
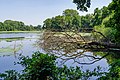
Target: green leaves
point(82, 5)
point(10, 75)
point(10, 25)
point(70, 19)
point(114, 72)
point(39, 66)
point(69, 73)
point(43, 66)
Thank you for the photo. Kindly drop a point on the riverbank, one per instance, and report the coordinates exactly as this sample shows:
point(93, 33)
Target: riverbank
point(21, 31)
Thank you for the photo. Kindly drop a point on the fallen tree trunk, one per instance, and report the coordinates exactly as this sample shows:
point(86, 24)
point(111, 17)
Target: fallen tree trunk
point(105, 44)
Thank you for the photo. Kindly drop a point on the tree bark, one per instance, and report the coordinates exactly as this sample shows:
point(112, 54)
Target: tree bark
point(105, 44)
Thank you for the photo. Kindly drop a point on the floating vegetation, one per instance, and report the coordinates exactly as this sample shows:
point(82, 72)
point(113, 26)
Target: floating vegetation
point(10, 50)
point(12, 39)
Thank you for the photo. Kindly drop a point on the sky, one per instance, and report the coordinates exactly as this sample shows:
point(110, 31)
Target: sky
point(34, 12)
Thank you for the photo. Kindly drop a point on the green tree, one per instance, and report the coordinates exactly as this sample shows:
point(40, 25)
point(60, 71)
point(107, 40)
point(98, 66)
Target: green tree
point(114, 21)
point(38, 27)
point(10, 25)
point(82, 5)
point(105, 12)
point(58, 23)
point(70, 19)
point(43, 67)
point(1, 26)
point(86, 21)
point(47, 24)
point(97, 17)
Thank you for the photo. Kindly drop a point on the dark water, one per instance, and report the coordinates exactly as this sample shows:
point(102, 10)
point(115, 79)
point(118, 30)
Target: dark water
point(13, 44)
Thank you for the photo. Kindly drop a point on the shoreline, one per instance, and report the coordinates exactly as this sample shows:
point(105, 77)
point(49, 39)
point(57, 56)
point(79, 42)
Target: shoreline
point(20, 31)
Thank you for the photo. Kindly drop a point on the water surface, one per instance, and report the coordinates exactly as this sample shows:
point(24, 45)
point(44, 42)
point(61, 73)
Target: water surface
point(13, 44)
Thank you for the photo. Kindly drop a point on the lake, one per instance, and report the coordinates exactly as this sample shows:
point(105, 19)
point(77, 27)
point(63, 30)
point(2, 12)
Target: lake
point(13, 44)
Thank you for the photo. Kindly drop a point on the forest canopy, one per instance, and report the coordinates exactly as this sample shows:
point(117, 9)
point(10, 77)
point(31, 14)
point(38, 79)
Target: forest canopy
point(105, 20)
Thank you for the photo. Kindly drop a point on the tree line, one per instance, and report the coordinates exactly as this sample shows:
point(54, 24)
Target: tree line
point(70, 19)
point(105, 21)
point(10, 25)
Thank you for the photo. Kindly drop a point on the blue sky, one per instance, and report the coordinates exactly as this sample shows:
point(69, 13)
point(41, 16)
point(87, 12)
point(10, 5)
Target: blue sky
point(34, 12)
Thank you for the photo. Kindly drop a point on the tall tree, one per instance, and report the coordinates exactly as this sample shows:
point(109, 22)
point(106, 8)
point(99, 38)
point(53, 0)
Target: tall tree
point(72, 18)
point(115, 20)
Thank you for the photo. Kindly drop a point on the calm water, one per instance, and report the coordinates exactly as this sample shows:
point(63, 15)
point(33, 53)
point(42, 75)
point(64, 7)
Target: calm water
point(13, 44)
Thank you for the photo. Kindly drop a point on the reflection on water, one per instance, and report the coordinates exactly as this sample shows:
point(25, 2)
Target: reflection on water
point(11, 45)
point(70, 54)
point(10, 48)
point(67, 52)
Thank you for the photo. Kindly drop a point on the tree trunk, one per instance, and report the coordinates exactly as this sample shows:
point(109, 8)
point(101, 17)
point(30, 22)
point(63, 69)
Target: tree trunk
point(105, 44)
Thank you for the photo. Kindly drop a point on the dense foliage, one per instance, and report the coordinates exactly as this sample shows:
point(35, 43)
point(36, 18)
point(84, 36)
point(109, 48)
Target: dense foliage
point(109, 21)
point(114, 21)
point(82, 4)
point(70, 19)
point(104, 20)
point(10, 25)
point(43, 67)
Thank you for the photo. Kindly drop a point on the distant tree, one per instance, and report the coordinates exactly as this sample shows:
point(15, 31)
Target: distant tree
point(10, 25)
point(38, 27)
point(1, 26)
point(47, 23)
